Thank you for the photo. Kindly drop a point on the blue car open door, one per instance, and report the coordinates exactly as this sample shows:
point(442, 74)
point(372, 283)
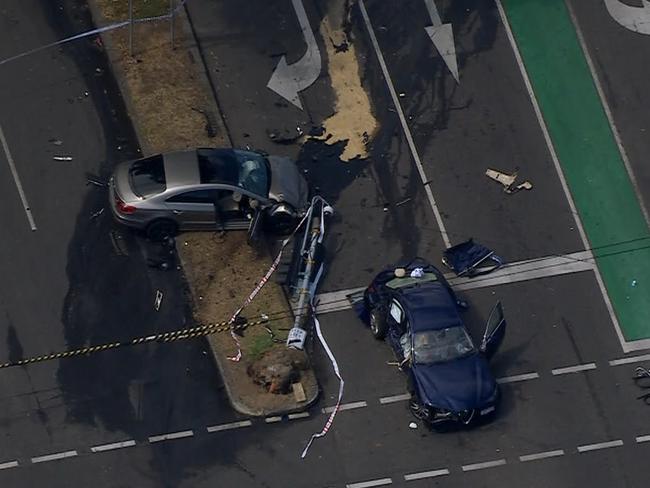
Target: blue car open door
point(495, 331)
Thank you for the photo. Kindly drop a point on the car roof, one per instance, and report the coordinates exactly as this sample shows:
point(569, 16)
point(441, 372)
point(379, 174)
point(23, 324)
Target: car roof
point(429, 306)
point(181, 169)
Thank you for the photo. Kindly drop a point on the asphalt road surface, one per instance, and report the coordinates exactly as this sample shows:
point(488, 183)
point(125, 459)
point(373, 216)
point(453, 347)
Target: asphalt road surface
point(156, 416)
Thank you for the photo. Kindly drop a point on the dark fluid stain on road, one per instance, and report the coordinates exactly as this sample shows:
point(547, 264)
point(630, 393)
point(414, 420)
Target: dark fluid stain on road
point(141, 390)
point(14, 345)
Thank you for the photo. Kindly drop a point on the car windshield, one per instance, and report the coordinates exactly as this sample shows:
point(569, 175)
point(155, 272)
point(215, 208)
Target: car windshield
point(147, 176)
point(245, 169)
point(441, 345)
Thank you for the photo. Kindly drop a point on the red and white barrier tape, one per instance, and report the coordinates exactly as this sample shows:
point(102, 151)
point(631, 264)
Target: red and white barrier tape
point(259, 286)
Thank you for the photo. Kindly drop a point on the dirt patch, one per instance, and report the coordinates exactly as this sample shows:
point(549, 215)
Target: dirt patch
point(353, 120)
point(223, 270)
point(171, 106)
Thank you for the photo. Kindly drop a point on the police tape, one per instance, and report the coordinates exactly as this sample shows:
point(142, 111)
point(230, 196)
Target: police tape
point(175, 335)
point(93, 32)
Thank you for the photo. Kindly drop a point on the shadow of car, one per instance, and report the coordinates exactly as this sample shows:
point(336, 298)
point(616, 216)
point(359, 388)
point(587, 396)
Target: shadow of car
point(207, 189)
point(416, 311)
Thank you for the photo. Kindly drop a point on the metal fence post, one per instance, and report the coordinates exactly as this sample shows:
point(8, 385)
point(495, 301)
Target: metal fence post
point(171, 21)
point(131, 27)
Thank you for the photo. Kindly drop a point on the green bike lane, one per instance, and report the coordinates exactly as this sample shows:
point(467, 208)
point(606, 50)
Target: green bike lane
point(588, 154)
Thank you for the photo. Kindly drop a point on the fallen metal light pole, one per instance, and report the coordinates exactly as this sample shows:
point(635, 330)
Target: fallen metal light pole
point(314, 233)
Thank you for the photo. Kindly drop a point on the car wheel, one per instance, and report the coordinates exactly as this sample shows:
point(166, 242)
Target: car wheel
point(378, 325)
point(281, 219)
point(418, 410)
point(161, 229)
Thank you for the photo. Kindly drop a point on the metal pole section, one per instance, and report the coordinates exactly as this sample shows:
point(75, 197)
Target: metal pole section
point(304, 287)
point(171, 21)
point(131, 27)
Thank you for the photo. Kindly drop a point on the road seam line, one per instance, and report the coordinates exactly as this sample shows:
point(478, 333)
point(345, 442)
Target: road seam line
point(573, 369)
point(517, 378)
point(405, 128)
point(541, 455)
point(370, 483)
point(230, 426)
point(426, 474)
point(171, 436)
point(19, 186)
point(600, 445)
point(9, 464)
point(113, 446)
point(558, 169)
point(394, 398)
point(483, 465)
point(608, 113)
point(53, 457)
point(346, 406)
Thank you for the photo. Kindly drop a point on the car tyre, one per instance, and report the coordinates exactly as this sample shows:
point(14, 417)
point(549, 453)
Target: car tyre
point(281, 220)
point(418, 410)
point(161, 229)
point(378, 325)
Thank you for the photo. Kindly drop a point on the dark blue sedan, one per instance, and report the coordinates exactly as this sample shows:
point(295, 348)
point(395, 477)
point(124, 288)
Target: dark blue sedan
point(415, 309)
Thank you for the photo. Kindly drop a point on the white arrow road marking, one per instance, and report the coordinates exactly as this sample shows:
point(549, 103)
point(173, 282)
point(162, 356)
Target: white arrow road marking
point(442, 36)
point(636, 19)
point(288, 80)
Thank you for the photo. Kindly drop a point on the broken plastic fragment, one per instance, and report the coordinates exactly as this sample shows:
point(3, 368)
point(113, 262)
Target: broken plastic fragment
point(417, 273)
point(62, 158)
point(413, 425)
point(158, 300)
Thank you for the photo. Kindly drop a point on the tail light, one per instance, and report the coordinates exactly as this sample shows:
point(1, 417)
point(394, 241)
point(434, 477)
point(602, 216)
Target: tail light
point(122, 207)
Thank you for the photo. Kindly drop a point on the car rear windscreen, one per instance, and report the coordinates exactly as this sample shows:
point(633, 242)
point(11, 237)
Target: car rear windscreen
point(147, 176)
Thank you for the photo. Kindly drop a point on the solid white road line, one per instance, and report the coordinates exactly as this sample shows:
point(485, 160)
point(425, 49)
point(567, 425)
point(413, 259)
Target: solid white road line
point(371, 483)
point(573, 369)
point(484, 465)
point(9, 464)
point(627, 346)
point(54, 457)
point(529, 269)
point(541, 455)
point(230, 426)
point(629, 360)
point(426, 474)
point(272, 420)
point(114, 445)
point(299, 415)
point(517, 377)
point(346, 406)
point(600, 445)
point(172, 436)
point(643, 438)
point(19, 186)
point(405, 128)
point(395, 398)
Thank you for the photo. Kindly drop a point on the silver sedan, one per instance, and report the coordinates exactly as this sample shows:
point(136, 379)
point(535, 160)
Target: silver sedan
point(207, 189)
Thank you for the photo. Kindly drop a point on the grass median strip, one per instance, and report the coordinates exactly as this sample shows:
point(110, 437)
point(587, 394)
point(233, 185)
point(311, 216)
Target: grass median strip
point(591, 162)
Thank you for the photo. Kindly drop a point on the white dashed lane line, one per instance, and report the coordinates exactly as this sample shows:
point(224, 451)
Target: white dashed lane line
point(9, 464)
point(299, 415)
point(483, 465)
point(272, 420)
point(600, 445)
point(643, 438)
point(54, 457)
point(630, 360)
point(573, 369)
point(541, 455)
point(426, 474)
point(395, 398)
point(113, 446)
point(170, 437)
point(517, 377)
point(371, 483)
point(346, 406)
point(230, 426)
